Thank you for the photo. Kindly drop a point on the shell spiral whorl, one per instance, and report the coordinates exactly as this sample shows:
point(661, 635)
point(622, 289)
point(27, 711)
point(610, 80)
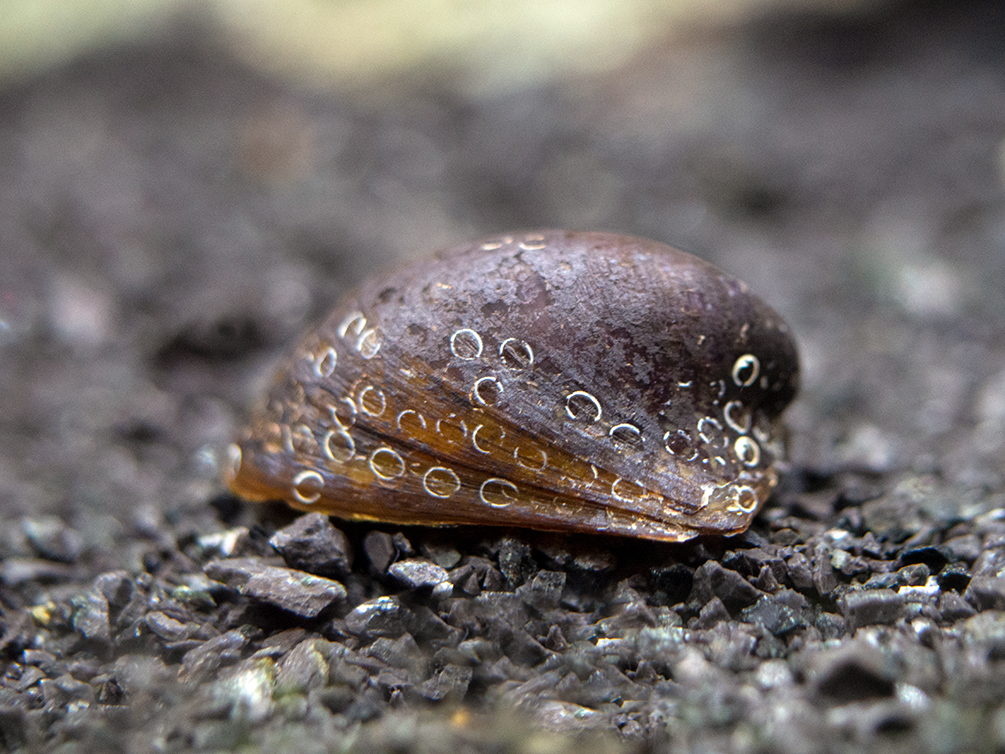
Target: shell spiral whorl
point(553, 380)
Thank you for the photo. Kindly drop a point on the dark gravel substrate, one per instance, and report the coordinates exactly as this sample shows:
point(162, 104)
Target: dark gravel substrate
point(170, 219)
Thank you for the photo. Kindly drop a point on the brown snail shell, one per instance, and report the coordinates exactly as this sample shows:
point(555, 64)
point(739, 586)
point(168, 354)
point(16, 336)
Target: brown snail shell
point(553, 380)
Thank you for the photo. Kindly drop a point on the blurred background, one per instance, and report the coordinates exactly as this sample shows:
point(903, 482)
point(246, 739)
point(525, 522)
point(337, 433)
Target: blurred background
point(185, 185)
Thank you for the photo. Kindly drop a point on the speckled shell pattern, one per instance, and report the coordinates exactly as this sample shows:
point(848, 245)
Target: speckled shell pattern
point(555, 380)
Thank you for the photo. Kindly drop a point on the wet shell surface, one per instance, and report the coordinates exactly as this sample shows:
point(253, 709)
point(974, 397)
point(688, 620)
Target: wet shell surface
point(554, 380)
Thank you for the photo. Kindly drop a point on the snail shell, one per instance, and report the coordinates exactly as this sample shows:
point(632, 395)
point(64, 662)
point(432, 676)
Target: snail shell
point(553, 380)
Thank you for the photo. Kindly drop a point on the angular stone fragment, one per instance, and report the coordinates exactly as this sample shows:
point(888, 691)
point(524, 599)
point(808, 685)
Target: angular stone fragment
point(139, 674)
point(303, 669)
point(830, 626)
point(954, 608)
point(544, 590)
point(779, 613)
point(991, 562)
point(383, 616)
point(523, 649)
point(418, 572)
point(247, 690)
point(964, 547)
point(90, 617)
point(451, 682)
point(712, 614)
point(166, 627)
point(294, 591)
point(44, 660)
point(824, 580)
point(913, 575)
point(515, 561)
point(986, 631)
point(565, 717)
point(280, 644)
point(116, 587)
point(986, 592)
point(800, 572)
point(61, 691)
point(28, 677)
point(110, 692)
point(313, 544)
point(674, 582)
point(871, 606)
point(430, 628)
point(712, 580)
point(443, 555)
point(402, 652)
point(206, 659)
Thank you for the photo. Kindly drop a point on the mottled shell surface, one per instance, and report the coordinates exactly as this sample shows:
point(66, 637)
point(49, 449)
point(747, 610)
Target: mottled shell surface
point(553, 380)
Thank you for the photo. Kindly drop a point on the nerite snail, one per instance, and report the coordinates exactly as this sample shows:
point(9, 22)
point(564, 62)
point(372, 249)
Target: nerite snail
point(553, 380)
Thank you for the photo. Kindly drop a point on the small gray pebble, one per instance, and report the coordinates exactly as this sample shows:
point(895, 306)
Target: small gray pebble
point(65, 689)
point(166, 627)
point(116, 587)
point(442, 555)
point(450, 682)
point(544, 590)
point(379, 549)
point(402, 652)
point(986, 592)
point(776, 614)
point(990, 563)
point(515, 561)
point(443, 590)
point(383, 616)
point(90, 617)
point(954, 608)
point(712, 580)
point(313, 544)
point(52, 539)
point(871, 606)
point(711, 614)
point(203, 661)
point(295, 591)
point(303, 669)
point(416, 572)
point(964, 547)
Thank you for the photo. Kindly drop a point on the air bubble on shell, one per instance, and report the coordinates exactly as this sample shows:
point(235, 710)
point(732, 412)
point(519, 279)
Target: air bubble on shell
point(307, 486)
point(627, 434)
point(745, 370)
point(581, 405)
point(387, 463)
point(466, 344)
